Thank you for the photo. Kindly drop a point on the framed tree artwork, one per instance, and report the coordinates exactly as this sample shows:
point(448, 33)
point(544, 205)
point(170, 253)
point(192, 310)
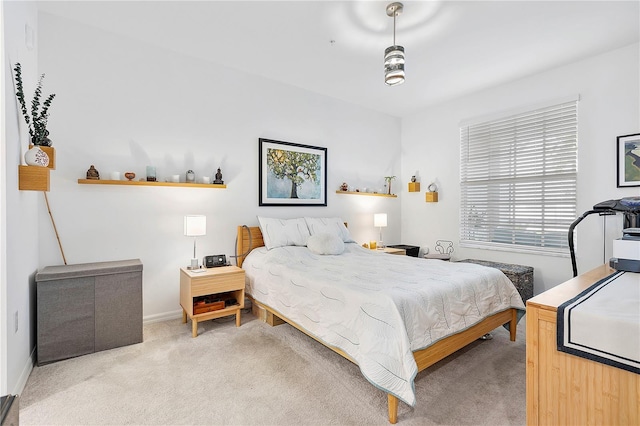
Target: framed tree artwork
point(628, 160)
point(291, 174)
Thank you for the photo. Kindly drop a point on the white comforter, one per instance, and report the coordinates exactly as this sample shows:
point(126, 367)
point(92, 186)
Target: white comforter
point(376, 307)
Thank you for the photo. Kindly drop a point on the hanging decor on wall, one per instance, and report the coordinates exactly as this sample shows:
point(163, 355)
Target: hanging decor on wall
point(628, 160)
point(291, 174)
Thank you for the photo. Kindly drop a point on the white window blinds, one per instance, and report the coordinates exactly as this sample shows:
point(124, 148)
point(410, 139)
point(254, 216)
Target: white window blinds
point(518, 180)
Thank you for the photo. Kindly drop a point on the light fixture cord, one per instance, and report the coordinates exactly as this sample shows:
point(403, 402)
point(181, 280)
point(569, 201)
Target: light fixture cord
point(395, 13)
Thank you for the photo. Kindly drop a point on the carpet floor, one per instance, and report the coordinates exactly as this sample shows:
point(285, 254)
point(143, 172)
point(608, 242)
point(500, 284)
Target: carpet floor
point(262, 375)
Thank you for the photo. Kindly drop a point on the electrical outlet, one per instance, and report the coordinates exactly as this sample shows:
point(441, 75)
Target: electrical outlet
point(15, 322)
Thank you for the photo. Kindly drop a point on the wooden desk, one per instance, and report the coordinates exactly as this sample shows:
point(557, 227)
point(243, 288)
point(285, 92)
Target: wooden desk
point(564, 389)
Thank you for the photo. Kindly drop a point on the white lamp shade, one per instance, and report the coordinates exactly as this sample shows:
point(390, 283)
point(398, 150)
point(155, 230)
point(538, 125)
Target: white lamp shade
point(195, 225)
point(380, 219)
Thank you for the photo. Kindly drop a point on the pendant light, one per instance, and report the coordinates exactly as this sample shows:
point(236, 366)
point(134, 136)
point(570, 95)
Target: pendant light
point(394, 55)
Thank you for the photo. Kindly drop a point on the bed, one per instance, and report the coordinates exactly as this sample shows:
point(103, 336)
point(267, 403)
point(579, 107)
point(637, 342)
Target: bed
point(393, 316)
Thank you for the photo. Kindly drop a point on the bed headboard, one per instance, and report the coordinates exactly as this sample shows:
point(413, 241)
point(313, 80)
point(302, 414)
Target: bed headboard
point(243, 241)
point(244, 247)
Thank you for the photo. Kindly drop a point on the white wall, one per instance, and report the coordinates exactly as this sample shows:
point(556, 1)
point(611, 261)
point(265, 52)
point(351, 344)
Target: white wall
point(20, 208)
point(122, 105)
point(610, 95)
point(3, 223)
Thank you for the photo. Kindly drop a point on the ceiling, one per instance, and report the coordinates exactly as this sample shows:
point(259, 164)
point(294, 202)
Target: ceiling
point(336, 47)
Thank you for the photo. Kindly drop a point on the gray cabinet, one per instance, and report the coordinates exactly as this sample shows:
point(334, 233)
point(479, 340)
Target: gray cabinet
point(87, 307)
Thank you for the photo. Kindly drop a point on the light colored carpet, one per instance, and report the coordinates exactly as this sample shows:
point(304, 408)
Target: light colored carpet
point(262, 375)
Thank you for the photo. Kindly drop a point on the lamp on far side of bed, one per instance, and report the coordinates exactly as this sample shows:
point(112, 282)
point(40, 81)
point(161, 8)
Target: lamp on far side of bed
point(380, 220)
point(195, 226)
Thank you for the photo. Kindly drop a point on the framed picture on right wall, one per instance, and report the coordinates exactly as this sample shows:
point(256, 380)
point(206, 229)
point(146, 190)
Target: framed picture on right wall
point(628, 160)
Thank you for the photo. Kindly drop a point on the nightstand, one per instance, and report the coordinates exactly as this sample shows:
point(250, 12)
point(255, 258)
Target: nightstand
point(411, 251)
point(212, 293)
point(392, 250)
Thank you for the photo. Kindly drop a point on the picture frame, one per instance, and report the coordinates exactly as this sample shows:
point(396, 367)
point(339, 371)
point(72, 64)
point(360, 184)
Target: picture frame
point(291, 174)
point(628, 160)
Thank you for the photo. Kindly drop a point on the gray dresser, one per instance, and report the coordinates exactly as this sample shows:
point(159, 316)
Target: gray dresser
point(88, 307)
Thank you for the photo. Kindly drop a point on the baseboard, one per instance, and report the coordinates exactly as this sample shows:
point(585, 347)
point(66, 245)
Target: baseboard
point(165, 316)
point(24, 376)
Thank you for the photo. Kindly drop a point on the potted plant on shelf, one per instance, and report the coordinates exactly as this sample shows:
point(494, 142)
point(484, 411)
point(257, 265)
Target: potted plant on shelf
point(389, 179)
point(36, 123)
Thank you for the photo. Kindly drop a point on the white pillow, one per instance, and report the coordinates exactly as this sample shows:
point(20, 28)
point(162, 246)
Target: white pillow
point(329, 225)
point(325, 244)
point(283, 232)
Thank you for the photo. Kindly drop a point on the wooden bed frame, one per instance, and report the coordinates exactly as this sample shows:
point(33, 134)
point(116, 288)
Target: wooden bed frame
point(424, 358)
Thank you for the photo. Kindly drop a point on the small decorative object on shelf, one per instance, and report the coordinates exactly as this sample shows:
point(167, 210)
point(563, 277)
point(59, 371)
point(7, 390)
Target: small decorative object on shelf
point(190, 177)
point(151, 174)
point(389, 179)
point(344, 186)
point(37, 122)
point(432, 195)
point(218, 180)
point(130, 176)
point(36, 157)
point(92, 173)
point(413, 178)
point(51, 153)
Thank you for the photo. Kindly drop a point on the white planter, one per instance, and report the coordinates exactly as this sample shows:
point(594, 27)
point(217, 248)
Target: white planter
point(36, 157)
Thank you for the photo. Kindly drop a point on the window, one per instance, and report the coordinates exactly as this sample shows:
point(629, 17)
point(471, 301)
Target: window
point(518, 180)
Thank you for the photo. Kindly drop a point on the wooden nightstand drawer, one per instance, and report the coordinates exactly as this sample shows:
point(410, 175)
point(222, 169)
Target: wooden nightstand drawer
point(217, 283)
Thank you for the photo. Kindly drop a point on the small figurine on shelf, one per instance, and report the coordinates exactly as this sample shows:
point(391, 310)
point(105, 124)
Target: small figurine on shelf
point(344, 187)
point(190, 176)
point(218, 180)
point(92, 173)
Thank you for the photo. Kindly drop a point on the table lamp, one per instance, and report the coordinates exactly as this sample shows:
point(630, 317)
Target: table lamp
point(380, 220)
point(195, 226)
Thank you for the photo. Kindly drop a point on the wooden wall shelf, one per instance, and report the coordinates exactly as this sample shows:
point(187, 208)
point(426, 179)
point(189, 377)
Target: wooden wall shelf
point(145, 183)
point(371, 194)
point(33, 178)
point(431, 197)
